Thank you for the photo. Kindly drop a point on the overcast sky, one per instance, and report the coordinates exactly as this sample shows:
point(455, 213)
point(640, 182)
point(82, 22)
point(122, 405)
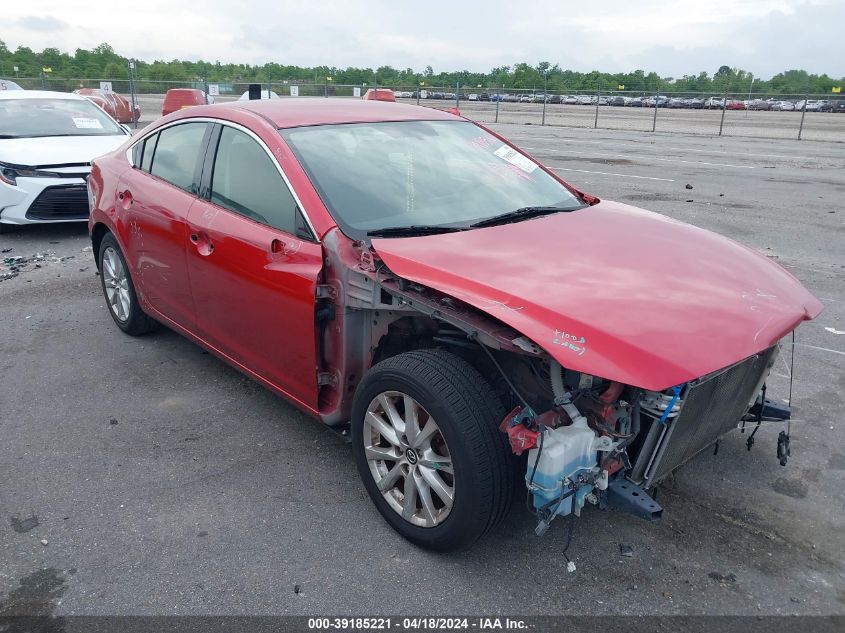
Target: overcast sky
point(671, 37)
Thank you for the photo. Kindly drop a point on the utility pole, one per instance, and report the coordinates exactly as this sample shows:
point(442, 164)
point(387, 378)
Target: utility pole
point(132, 91)
point(803, 112)
point(498, 99)
point(545, 95)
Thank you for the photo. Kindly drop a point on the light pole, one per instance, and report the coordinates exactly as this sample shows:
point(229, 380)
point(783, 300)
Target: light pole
point(545, 94)
point(328, 79)
point(132, 92)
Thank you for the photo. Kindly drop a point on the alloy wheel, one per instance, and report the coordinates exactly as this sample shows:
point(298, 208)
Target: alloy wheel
point(116, 284)
point(409, 459)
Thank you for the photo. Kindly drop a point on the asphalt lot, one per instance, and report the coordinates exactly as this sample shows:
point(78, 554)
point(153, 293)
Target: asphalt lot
point(164, 482)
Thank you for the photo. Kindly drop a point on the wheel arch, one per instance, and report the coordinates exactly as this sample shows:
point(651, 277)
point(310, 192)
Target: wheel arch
point(98, 232)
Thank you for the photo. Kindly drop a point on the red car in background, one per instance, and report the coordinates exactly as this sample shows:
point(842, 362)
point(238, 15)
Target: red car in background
point(411, 274)
point(735, 104)
point(115, 105)
point(179, 98)
point(379, 94)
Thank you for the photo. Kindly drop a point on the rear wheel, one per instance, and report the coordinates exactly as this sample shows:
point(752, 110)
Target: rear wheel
point(427, 446)
point(119, 290)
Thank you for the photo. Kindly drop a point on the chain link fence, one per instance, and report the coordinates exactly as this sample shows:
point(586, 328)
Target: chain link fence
point(752, 114)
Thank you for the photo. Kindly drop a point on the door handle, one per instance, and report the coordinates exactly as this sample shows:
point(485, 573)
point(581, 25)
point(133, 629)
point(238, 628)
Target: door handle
point(203, 243)
point(285, 248)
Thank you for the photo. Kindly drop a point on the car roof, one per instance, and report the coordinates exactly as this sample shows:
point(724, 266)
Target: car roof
point(39, 94)
point(304, 111)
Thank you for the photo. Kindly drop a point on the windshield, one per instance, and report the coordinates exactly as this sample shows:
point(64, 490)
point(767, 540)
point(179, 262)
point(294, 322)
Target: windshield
point(28, 118)
point(373, 176)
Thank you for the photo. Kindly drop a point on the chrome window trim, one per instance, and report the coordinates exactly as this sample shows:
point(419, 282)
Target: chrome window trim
point(249, 133)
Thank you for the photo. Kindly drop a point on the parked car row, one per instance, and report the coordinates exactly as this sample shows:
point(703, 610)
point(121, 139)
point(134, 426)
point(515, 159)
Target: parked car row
point(660, 101)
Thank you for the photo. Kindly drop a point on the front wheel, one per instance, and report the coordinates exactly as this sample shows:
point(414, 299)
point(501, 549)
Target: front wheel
point(426, 443)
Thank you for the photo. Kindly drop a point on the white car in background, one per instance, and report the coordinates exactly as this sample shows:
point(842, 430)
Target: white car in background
point(812, 105)
point(783, 106)
point(47, 143)
point(8, 84)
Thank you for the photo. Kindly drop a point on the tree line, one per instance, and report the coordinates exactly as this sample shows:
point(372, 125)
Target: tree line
point(103, 63)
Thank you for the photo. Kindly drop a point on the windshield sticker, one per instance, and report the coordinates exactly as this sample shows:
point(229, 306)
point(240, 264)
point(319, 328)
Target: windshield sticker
point(573, 343)
point(87, 124)
point(515, 158)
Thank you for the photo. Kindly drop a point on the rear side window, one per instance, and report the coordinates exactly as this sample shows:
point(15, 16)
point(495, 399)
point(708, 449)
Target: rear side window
point(246, 181)
point(177, 152)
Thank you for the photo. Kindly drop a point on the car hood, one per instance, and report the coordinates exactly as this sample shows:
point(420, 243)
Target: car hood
point(615, 291)
point(57, 150)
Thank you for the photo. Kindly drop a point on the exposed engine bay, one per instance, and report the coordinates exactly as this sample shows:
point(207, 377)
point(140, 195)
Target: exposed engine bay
point(607, 444)
point(585, 439)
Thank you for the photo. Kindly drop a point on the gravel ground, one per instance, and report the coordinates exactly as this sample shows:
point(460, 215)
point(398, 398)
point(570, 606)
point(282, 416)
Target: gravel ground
point(144, 476)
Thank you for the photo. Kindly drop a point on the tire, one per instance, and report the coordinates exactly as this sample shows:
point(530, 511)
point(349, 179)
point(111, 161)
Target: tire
point(466, 413)
point(119, 291)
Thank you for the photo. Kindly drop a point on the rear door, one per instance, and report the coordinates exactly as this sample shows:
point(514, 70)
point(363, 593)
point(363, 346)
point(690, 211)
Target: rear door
point(254, 265)
point(156, 196)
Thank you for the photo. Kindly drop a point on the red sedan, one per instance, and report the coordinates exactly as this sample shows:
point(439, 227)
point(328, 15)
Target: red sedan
point(411, 274)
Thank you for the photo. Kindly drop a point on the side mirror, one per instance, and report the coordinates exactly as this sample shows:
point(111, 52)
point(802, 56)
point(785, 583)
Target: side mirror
point(126, 129)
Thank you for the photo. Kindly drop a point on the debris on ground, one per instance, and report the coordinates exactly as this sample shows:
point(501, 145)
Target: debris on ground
point(722, 578)
point(626, 549)
point(296, 588)
point(13, 266)
point(44, 542)
point(688, 186)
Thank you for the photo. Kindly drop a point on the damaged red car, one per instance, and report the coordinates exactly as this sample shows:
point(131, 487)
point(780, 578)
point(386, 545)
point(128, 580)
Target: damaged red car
point(113, 104)
point(411, 276)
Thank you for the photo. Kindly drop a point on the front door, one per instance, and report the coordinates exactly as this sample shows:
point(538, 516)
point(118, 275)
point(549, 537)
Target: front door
point(254, 267)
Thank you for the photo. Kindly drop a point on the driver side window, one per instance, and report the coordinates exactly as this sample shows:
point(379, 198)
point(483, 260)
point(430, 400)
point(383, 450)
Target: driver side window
point(245, 180)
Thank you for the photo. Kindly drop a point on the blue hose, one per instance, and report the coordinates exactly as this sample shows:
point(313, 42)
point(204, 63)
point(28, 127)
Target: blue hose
point(677, 391)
